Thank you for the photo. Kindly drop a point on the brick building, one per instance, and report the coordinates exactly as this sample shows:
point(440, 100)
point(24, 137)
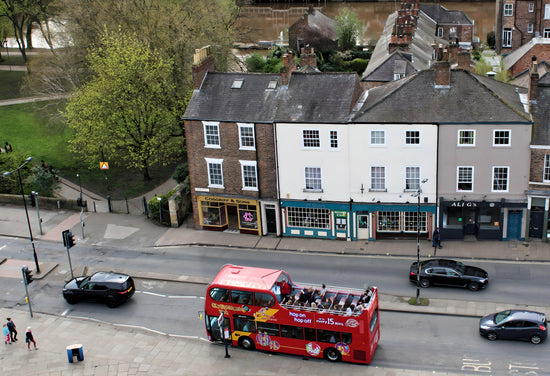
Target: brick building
point(520, 60)
point(519, 21)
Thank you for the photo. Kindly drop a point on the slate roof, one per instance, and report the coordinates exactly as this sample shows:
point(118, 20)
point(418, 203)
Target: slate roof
point(216, 100)
point(469, 99)
point(522, 79)
point(442, 15)
point(512, 58)
point(381, 64)
point(541, 113)
point(320, 23)
point(318, 97)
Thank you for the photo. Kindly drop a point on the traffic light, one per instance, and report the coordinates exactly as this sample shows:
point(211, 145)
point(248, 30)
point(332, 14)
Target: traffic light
point(70, 239)
point(27, 274)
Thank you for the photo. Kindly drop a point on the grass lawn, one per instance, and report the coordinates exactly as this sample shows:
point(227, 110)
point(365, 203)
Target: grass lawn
point(29, 129)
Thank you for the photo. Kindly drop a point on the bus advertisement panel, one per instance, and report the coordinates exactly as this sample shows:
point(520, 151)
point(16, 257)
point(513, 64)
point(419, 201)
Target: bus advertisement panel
point(263, 309)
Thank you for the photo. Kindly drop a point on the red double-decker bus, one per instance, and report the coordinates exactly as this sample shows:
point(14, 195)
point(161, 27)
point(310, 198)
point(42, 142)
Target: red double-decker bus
point(262, 312)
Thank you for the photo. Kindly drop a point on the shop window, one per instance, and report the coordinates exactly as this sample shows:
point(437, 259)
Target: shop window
point(212, 213)
point(489, 218)
point(452, 218)
point(410, 222)
point(308, 217)
point(388, 221)
point(248, 216)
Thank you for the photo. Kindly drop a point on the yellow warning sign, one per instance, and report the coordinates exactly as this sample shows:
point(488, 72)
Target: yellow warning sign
point(104, 165)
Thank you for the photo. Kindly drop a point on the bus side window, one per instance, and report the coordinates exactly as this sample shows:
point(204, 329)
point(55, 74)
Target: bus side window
point(328, 336)
point(219, 295)
point(263, 300)
point(346, 338)
point(245, 324)
point(268, 328)
point(309, 334)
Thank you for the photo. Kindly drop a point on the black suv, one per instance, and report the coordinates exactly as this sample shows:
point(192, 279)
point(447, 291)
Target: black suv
point(108, 287)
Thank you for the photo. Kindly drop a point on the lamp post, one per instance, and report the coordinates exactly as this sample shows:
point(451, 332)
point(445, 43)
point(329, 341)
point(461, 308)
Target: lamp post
point(160, 209)
point(6, 174)
point(418, 242)
point(80, 185)
point(35, 194)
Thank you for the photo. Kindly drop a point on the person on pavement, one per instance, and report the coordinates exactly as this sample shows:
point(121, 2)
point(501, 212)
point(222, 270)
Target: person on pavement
point(30, 338)
point(12, 329)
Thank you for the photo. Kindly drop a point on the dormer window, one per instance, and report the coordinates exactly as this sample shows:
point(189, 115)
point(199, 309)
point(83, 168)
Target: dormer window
point(272, 85)
point(237, 84)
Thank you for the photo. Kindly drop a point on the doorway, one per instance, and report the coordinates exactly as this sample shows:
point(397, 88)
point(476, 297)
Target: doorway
point(232, 218)
point(271, 219)
point(470, 222)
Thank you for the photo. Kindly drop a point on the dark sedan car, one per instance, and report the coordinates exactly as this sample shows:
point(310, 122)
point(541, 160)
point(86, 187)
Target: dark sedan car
point(449, 273)
point(515, 324)
point(110, 288)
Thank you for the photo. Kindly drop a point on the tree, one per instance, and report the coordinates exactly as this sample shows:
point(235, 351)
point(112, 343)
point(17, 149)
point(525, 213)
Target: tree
point(127, 112)
point(348, 28)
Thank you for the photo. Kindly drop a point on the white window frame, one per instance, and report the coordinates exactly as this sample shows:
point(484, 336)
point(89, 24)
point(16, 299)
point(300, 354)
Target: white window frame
point(311, 139)
point(207, 144)
point(440, 32)
point(334, 137)
point(407, 138)
point(458, 181)
point(507, 179)
point(546, 169)
point(547, 11)
point(408, 177)
point(247, 126)
point(507, 37)
point(508, 10)
point(383, 143)
point(459, 138)
point(377, 179)
point(495, 137)
point(253, 164)
point(212, 161)
point(529, 28)
point(310, 173)
point(531, 7)
point(546, 33)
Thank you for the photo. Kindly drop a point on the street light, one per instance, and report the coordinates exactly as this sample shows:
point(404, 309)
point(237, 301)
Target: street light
point(80, 185)
point(6, 174)
point(418, 191)
point(160, 209)
point(35, 194)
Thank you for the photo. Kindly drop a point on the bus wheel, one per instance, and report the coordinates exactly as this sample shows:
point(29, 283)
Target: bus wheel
point(333, 355)
point(246, 343)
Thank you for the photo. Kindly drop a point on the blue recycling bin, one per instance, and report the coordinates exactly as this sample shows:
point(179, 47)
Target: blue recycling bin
point(75, 350)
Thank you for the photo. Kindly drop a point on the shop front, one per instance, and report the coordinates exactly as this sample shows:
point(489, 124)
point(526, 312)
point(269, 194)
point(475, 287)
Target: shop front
point(482, 220)
point(229, 213)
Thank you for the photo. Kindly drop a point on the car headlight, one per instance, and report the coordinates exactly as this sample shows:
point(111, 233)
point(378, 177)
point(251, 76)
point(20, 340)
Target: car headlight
point(485, 327)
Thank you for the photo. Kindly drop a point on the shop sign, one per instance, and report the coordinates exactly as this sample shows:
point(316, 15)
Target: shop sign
point(340, 213)
point(464, 204)
point(226, 200)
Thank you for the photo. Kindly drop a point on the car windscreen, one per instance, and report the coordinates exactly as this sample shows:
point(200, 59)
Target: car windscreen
point(83, 282)
point(501, 316)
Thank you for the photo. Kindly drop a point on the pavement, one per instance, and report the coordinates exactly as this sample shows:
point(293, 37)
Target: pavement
point(122, 350)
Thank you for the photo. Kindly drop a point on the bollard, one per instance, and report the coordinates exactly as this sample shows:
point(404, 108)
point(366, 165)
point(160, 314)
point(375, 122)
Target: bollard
point(145, 211)
point(127, 209)
point(109, 203)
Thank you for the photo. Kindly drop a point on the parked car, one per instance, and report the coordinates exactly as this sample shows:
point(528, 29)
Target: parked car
point(449, 273)
point(110, 288)
point(515, 324)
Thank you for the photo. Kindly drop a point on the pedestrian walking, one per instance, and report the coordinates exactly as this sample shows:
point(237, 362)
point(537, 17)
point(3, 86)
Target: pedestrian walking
point(30, 338)
point(12, 329)
point(436, 240)
point(6, 332)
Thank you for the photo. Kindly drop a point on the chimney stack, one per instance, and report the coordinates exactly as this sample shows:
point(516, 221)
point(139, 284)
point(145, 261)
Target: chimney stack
point(308, 57)
point(533, 82)
point(464, 60)
point(289, 66)
point(203, 61)
point(442, 75)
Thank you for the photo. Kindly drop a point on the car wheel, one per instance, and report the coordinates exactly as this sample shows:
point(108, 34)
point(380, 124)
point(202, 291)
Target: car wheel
point(247, 343)
point(536, 339)
point(111, 302)
point(333, 355)
point(70, 300)
point(473, 286)
point(424, 283)
point(492, 336)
